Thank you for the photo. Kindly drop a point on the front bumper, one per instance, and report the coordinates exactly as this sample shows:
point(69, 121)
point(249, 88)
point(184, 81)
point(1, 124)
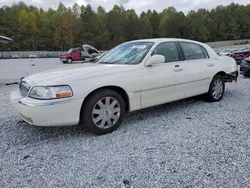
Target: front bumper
point(245, 68)
point(238, 61)
point(63, 59)
point(245, 71)
point(47, 112)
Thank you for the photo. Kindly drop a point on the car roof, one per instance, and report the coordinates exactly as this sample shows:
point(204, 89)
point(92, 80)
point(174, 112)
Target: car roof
point(158, 40)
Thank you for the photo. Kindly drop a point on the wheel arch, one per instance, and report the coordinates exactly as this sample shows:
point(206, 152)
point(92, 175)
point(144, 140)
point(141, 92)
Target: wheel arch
point(228, 77)
point(222, 73)
point(118, 89)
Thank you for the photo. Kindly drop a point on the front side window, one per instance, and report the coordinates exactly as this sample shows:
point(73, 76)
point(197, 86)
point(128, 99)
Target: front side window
point(168, 50)
point(71, 50)
point(127, 53)
point(193, 51)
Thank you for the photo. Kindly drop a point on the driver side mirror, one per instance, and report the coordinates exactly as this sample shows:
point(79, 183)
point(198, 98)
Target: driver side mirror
point(155, 59)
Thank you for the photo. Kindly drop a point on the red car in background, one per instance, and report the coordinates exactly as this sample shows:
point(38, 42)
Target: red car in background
point(86, 53)
point(241, 55)
point(73, 54)
point(41, 56)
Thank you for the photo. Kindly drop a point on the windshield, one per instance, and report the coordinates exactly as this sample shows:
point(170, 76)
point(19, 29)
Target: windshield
point(127, 53)
point(72, 50)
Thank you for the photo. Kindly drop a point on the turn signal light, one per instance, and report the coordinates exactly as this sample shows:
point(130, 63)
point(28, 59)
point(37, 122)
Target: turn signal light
point(62, 95)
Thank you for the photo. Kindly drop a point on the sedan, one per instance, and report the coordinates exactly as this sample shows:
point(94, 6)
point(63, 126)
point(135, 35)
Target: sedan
point(245, 67)
point(132, 76)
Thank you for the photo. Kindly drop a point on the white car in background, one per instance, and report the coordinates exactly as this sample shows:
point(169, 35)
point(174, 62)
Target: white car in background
point(228, 52)
point(32, 56)
point(132, 76)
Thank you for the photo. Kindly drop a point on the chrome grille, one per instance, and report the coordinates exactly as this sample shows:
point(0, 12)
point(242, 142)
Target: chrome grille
point(24, 88)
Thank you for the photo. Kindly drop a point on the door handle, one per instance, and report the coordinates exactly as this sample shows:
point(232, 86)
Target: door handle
point(210, 64)
point(176, 69)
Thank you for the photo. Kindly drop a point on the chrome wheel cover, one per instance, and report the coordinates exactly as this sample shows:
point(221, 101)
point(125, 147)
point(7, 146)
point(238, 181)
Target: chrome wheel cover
point(217, 89)
point(106, 112)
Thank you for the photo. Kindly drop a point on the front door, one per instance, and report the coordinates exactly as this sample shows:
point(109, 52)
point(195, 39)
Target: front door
point(162, 83)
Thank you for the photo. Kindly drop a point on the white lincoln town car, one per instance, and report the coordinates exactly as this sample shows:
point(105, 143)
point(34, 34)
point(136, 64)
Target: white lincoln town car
point(132, 76)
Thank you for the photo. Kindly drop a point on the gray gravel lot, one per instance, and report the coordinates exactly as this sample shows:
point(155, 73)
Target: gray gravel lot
point(13, 69)
point(187, 143)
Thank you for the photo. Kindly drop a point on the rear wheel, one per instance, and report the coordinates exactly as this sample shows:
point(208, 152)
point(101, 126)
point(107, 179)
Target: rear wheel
point(216, 89)
point(103, 112)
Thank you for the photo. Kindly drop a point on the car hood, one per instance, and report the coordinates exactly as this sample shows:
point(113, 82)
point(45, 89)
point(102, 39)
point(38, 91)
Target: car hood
point(242, 51)
point(75, 73)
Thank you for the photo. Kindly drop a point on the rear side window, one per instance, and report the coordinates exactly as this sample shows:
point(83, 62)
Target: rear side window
point(193, 51)
point(168, 50)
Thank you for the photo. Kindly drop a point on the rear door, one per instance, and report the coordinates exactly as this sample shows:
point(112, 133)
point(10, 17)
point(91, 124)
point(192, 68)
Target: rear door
point(200, 68)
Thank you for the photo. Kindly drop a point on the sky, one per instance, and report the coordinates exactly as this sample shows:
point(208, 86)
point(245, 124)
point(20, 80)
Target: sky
point(138, 5)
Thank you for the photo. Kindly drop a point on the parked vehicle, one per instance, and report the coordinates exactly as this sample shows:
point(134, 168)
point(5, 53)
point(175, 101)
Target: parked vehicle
point(245, 67)
point(72, 55)
point(48, 56)
point(86, 53)
point(15, 56)
point(24, 56)
point(32, 56)
point(227, 52)
point(132, 76)
point(240, 55)
point(5, 40)
point(7, 56)
point(41, 56)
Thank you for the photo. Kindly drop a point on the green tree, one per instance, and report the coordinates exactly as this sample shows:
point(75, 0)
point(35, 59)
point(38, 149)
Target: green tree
point(116, 20)
point(33, 28)
point(93, 32)
point(154, 19)
point(146, 30)
point(172, 23)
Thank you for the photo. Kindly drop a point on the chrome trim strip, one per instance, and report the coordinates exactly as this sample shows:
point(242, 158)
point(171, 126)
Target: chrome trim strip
point(25, 104)
point(161, 87)
point(47, 103)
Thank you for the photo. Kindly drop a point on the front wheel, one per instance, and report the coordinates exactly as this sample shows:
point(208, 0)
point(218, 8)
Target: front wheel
point(103, 112)
point(216, 89)
point(69, 60)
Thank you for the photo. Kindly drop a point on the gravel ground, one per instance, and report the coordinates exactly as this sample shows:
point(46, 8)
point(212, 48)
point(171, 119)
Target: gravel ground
point(12, 70)
point(187, 143)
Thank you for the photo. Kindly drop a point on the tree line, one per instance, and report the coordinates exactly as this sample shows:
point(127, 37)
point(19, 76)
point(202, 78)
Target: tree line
point(34, 28)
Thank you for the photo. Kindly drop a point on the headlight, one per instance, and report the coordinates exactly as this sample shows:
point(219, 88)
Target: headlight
point(50, 92)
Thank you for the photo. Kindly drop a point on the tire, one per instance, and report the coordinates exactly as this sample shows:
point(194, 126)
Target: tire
point(215, 94)
point(69, 61)
point(110, 117)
